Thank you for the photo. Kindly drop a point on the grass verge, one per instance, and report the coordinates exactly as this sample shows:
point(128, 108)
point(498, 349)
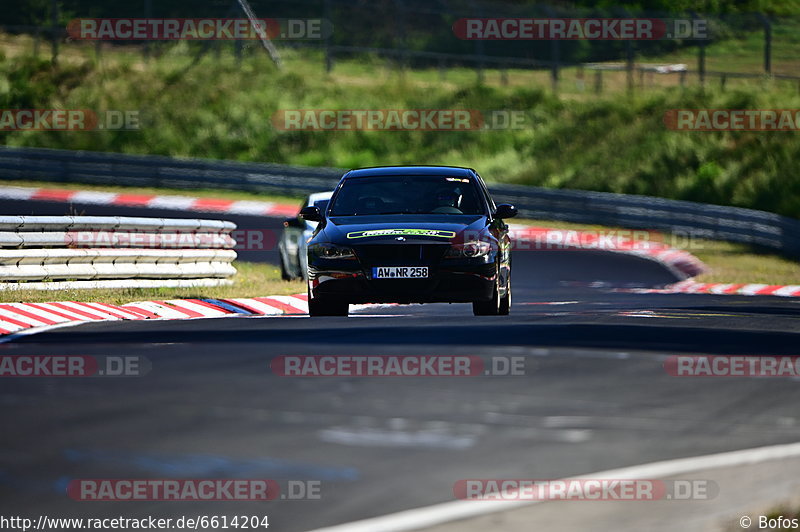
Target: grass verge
point(728, 262)
point(252, 280)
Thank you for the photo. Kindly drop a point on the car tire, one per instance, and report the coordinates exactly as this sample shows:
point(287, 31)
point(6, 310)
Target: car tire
point(488, 308)
point(285, 275)
point(325, 307)
point(505, 301)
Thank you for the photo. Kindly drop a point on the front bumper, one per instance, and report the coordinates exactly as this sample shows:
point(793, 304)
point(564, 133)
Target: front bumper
point(455, 281)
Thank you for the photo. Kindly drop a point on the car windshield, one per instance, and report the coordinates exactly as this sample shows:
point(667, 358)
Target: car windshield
point(407, 195)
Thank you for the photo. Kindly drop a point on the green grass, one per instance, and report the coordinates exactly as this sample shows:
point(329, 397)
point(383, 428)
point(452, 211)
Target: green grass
point(252, 280)
point(727, 262)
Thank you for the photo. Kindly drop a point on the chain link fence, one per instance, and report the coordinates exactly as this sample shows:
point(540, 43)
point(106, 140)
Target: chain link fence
point(422, 35)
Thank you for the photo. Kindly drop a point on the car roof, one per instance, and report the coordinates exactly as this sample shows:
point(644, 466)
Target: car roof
point(319, 196)
point(455, 171)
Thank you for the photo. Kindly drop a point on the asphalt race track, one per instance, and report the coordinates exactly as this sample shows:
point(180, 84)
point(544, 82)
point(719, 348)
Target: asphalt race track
point(594, 395)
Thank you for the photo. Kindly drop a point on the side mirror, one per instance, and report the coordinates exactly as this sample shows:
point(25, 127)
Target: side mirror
point(293, 222)
point(311, 214)
point(505, 211)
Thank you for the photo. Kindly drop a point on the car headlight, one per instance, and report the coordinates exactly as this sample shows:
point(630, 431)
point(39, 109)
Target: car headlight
point(332, 251)
point(470, 250)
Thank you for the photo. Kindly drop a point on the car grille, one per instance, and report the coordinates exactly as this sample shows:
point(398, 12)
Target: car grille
point(401, 254)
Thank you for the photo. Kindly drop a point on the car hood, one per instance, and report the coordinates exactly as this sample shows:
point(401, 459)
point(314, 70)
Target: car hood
point(441, 228)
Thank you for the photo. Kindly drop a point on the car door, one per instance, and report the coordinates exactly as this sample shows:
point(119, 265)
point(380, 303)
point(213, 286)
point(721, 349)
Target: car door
point(292, 242)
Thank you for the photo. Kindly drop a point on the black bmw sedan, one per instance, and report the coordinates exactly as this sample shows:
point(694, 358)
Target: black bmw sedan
point(410, 234)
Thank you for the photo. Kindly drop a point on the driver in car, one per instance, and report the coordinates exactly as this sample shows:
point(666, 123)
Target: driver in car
point(447, 201)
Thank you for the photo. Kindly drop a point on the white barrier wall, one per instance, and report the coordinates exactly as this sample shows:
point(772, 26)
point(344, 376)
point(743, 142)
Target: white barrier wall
point(56, 252)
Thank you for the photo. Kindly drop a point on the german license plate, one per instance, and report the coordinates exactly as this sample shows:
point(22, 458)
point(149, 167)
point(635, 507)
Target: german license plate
point(400, 272)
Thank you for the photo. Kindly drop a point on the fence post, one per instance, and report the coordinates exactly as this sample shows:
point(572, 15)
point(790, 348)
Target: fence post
point(598, 81)
point(701, 56)
point(479, 47)
point(629, 64)
point(580, 81)
point(237, 51)
point(767, 43)
point(148, 13)
point(401, 33)
point(555, 54)
point(54, 30)
point(326, 9)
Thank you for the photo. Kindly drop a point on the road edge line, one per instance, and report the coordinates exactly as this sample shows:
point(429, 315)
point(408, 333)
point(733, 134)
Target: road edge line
point(437, 514)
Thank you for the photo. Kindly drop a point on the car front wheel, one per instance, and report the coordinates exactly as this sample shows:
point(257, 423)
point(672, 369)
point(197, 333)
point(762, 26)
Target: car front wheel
point(496, 306)
point(505, 301)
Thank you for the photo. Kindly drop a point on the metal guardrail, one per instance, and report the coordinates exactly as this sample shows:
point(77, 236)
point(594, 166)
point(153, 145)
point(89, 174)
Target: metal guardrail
point(157, 171)
point(86, 251)
point(697, 220)
point(684, 218)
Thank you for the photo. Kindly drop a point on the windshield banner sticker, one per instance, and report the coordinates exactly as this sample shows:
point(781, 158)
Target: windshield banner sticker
point(402, 232)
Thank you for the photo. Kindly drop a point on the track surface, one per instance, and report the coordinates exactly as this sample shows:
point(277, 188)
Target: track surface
point(595, 396)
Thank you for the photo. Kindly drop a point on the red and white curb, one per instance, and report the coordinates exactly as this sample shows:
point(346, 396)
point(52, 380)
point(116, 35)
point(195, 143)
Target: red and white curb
point(679, 261)
point(18, 317)
point(178, 203)
point(752, 289)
